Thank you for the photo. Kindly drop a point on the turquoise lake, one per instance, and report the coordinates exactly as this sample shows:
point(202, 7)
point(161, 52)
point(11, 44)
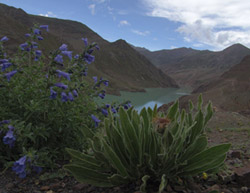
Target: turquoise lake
point(149, 98)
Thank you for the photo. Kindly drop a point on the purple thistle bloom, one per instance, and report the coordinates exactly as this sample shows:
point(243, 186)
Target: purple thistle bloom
point(67, 53)
point(95, 79)
point(64, 74)
point(39, 37)
point(70, 96)
point(27, 35)
point(85, 40)
point(9, 138)
point(61, 85)
point(10, 74)
point(63, 47)
point(59, 59)
point(104, 112)
point(4, 39)
point(75, 93)
point(96, 120)
point(46, 27)
point(53, 93)
point(37, 31)
point(89, 58)
point(24, 45)
point(64, 97)
point(19, 167)
point(37, 169)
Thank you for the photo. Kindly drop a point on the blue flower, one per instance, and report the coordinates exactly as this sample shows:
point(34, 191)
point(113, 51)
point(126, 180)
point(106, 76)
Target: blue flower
point(64, 74)
point(3, 60)
point(9, 138)
point(61, 85)
point(64, 97)
point(34, 45)
point(102, 95)
point(10, 74)
point(106, 82)
point(70, 96)
point(5, 65)
point(45, 27)
point(24, 45)
point(59, 59)
point(95, 79)
point(19, 167)
point(75, 93)
point(89, 58)
point(63, 47)
point(85, 41)
point(97, 47)
point(27, 35)
point(4, 122)
point(39, 37)
point(38, 53)
point(68, 53)
point(107, 105)
point(11, 128)
point(53, 93)
point(104, 112)
point(76, 56)
point(37, 31)
point(96, 120)
point(113, 110)
point(4, 39)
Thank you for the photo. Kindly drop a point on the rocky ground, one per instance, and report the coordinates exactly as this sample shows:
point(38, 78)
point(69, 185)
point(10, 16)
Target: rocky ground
point(223, 128)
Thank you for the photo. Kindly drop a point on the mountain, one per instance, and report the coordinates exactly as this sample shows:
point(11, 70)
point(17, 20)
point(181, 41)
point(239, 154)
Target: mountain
point(230, 92)
point(118, 62)
point(193, 68)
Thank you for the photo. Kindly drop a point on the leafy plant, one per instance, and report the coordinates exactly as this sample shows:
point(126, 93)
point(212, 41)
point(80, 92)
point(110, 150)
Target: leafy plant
point(149, 147)
point(45, 101)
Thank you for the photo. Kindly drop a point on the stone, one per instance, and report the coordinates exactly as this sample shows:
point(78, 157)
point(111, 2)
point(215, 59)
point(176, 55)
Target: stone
point(236, 154)
point(9, 185)
point(44, 188)
point(214, 187)
point(242, 175)
point(80, 186)
point(245, 189)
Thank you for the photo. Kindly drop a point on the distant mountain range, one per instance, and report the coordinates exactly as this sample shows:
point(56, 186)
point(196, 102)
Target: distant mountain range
point(193, 68)
point(125, 68)
point(230, 92)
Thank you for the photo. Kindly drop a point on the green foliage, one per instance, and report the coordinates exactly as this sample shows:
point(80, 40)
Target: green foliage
point(44, 125)
point(131, 148)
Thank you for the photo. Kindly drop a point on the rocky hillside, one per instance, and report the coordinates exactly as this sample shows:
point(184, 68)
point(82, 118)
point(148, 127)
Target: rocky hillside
point(118, 61)
point(193, 68)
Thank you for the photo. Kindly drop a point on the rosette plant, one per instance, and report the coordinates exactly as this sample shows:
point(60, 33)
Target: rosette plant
point(149, 147)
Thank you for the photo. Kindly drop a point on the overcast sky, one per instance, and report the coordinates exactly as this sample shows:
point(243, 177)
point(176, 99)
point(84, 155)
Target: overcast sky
point(154, 24)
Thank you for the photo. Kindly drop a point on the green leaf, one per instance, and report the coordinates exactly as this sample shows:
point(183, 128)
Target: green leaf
point(173, 110)
point(209, 113)
point(163, 183)
point(200, 102)
point(89, 176)
point(144, 183)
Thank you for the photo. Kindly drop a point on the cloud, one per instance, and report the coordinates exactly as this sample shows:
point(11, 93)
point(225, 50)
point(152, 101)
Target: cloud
point(48, 14)
point(215, 23)
point(144, 33)
point(92, 9)
point(123, 23)
point(99, 1)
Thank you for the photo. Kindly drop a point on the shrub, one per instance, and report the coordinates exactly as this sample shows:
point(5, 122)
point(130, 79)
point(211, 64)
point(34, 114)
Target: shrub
point(45, 102)
point(149, 147)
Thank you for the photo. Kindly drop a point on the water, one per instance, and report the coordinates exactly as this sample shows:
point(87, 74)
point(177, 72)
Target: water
point(149, 98)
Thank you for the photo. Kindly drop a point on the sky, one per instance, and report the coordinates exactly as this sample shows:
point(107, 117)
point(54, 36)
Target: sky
point(154, 24)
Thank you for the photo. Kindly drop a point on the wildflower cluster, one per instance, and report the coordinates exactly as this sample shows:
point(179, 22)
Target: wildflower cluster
point(47, 100)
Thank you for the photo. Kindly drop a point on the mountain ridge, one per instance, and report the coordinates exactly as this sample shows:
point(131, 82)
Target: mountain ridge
point(109, 63)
